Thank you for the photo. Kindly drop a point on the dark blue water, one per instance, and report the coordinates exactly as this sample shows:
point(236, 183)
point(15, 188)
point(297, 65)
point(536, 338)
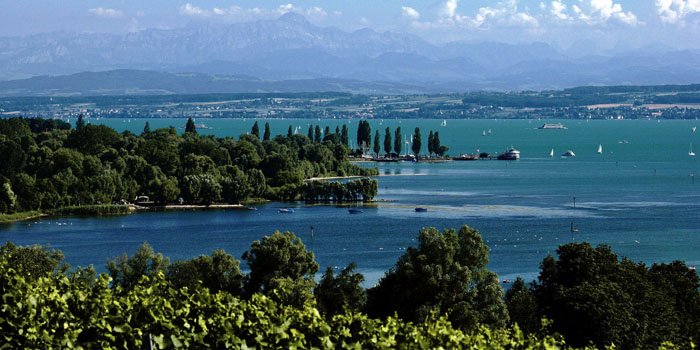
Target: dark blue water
point(637, 197)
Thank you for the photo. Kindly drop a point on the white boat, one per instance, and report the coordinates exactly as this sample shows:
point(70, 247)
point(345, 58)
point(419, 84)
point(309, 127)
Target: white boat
point(444, 123)
point(551, 153)
point(694, 128)
point(691, 153)
point(483, 133)
point(552, 126)
point(489, 132)
point(285, 211)
point(600, 149)
point(510, 154)
point(568, 153)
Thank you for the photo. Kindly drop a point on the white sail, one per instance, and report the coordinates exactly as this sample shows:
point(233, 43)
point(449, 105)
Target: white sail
point(600, 149)
point(551, 154)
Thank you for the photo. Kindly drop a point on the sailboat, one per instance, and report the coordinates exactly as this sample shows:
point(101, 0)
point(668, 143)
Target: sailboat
point(489, 131)
point(695, 127)
point(444, 123)
point(691, 153)
point(483, 133)
point(600, 149)
point(551, 154)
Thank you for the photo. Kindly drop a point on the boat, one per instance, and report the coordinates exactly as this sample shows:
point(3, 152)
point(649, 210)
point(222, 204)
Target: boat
point(354, 211)
point(421, 210)
point(691, 153)
point(285, 211)
point(568, 153)
point(552, 126)
point(489, 132)
point(252, 208)
point(600, 149)
point(444, 123)
point(510, 154)
point(695, 127)
point(483, 133)
point(551, 153)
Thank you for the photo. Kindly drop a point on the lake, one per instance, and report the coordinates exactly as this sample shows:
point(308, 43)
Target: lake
point(638, 197)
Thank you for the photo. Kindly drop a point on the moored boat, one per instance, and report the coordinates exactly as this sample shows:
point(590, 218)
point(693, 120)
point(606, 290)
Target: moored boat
point(510, 154)
point(355, 211)
point(421, 210)
point(552, 126)
point(285, 211)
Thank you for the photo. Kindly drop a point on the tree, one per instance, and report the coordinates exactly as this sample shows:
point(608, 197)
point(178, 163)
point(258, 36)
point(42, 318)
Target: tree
point(8, 198)
point(127, 271)
point(80, 123)
point(289, 132)
point(278, 256)
point(437, 148)
point(431, 138)
point(338, 294)
point(397, 141)
point(364, 135)
point(416, 142)
point(344, 135)
point(446, 273)
point(255, 130)
point(34, 261)
point(327, 131)
point(147, 128)
point(387, 141)
point(377, 147)
point(218, 272)
point(266, 136)
point(190, 127)
point(311, 133)
point(522, 307)
point(317, 134)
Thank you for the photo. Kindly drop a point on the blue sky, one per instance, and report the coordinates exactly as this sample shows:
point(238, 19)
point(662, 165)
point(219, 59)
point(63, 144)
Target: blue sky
point(609, 23)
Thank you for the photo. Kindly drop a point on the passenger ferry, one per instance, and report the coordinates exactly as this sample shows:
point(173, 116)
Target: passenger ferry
point(552, 126)
point(511, 154)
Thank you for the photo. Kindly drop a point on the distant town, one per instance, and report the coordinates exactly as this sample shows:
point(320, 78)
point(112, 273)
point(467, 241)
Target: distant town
point(622, 102)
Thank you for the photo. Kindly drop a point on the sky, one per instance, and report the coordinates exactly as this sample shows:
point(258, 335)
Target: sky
point(610, 24)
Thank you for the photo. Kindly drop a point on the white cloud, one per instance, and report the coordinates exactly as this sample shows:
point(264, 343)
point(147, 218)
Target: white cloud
point(673, 11)
point(106, 12)
point(558, 9)
point(338, 13)
point(409, 12)
point(316, 13)
point(606, 9)
point(190, 10)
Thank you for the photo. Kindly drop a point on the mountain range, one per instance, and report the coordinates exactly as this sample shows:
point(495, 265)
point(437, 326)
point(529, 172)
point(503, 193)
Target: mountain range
point(291, 54)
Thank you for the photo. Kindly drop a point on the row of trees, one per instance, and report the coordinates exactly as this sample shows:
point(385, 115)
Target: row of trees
point(588, 295)
point(47, 165)
point(364, 141)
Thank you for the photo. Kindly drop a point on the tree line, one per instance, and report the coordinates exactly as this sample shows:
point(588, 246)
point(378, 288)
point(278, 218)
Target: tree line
point(364, 141)
point(439, 293)
point(47, 164)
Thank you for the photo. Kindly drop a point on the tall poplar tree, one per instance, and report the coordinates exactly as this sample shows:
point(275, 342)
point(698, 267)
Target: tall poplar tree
point(377, 147)
point(430, 143)
point(256, 130)
point(397, 141)
point(387, 141)
point(317, 134)
point(266, 136)
point(189, 127)
point(344, 135)
point(416, 142)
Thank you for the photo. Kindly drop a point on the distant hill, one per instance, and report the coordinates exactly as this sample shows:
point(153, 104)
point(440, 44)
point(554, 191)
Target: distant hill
point(292, 53)
point(138, 82)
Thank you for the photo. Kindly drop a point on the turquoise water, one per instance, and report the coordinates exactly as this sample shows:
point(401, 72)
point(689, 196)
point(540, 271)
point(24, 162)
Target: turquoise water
point(637, 197)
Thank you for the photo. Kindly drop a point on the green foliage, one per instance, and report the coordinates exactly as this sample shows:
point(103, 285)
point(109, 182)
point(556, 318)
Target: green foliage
point(431, 143)
point(218, 272)
point(377, 145)
point(8, 198)
point(4, 218)
point(415, 147)
point(266, 136)
point(446, 273)
point(317, 134)
point(344, 135)
point(126, 271)
point(190, 127)
point(94, 210)
point(255, 130)
point(33, 261)
point(327, 191)
point(364, 135)
point(398, 140)
point(339, 294)
point(592, 296)
point(278, 256)
point(522, 307)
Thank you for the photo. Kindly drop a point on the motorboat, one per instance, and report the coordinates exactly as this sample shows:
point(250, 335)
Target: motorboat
point(568, 153)
point(552, 126)
point(510, 154)
point(355, 211)
point(285, 211)
point(421, 210)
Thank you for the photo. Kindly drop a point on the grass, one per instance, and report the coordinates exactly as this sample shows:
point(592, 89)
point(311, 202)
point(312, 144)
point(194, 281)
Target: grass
point(7, 218)
point(93, 210)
